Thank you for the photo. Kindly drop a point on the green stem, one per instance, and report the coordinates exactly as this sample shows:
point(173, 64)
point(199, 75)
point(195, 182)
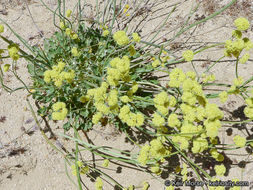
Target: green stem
point(236, 68)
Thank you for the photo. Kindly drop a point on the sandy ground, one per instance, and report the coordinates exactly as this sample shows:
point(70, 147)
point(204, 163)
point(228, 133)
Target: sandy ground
point(28, 162)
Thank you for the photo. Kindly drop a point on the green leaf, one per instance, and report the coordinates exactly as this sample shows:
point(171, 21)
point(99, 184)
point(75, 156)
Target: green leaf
point(31, 68)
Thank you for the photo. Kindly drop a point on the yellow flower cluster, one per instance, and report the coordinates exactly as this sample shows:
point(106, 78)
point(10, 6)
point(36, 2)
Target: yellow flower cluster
point(184, 172)
point(207, 78)
point(131, 187)
point(97, 117)
point(184, 143)
point(130, 118)
point(106, 33)
point(107, 103)
point(156, 63)
point(212, 124)
point(158, 120)
point(223, 96)
point(105, 163)
point(171, 187)
point(68, 13)
point(57, 75)
point(119, 70)
point(156, 169)
point(75, 52)
point(121, 38)
point(82, 169)
point(199, 145)
point(145, 185)
point(71, 34)
point(199, 116)
point(177, 77)
point(144, 155)
point(126, 9)
point(99, 184)
point(236, 83)
point(239, 141)
point(132, 50)
point(188, 55)
point(236, 46)
point(6, 67)
point(216, 155)
point(59, 111)
point(242, 23)
point(162, 102)
point(156, 150)
point(100, 97)
point(220, 170)
point(173, 120)
point(125, 99)
point(248, 111)
point(62, 25)
point(244, 58)
point(1, 28)
point(136, 37)
point(161, 61)
point(13, 52)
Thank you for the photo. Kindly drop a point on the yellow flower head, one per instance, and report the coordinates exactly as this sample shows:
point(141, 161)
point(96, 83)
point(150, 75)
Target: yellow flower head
point(82, 169)
point(239, 141)
point(6, 67)
point(13, 51)
point(145, 185)
point(248, 111)
point(136, 37)
point(62, 25)
point(68, 31)
point(99, 184)
point(220, 170)
point(177, 76)
point(106, 33)
point(84, 99)
point(121, 38)
point(158, 120)
point(60, 111)
point(74, 52)
point(223, 96)
point(188, 55)
point(132, 50)
point(105, 163)
point(156, 63)
point(248, 45)
point(125, 99)
point(244, 58)
point(1, 28)
point(156, 170)
point(173, 120)
point(96, 117)
point(144, 155)
point(74, 36)
point(238, 81)
point(68, 13)
point(242, 23)
point(237, 34)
